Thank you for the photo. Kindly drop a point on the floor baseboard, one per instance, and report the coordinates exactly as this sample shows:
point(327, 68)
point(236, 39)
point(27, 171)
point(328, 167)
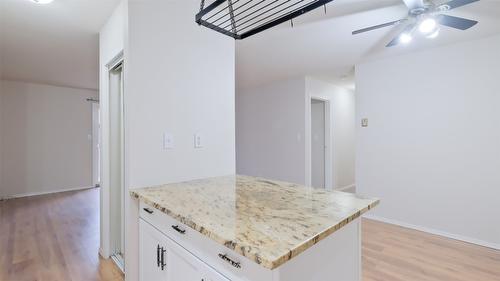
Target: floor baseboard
point(44, 192)
point(470, 240)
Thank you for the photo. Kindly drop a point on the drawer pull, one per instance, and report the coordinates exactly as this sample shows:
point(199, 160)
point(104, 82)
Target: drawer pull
point(178, 229)
point(148, 210)
point(163, 263)
point(230, 261)
point(158, 249)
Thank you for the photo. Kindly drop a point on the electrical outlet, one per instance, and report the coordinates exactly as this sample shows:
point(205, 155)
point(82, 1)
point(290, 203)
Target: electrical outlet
point(198, 141)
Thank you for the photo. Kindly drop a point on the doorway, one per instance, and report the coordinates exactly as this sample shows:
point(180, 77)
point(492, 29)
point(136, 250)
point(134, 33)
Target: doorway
point(318, 143)
point(116, 164)
point(96, 145)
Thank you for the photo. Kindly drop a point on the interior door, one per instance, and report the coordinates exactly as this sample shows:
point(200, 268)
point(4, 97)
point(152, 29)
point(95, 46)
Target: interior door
point(152, 248)
point(182, 265)
point(318, 143)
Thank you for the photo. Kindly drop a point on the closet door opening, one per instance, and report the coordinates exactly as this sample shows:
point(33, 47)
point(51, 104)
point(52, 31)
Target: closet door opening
point(116, 157)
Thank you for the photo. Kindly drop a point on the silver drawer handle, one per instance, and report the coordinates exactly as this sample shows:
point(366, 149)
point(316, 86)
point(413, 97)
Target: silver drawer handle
point(230, 261)
point(178, 229)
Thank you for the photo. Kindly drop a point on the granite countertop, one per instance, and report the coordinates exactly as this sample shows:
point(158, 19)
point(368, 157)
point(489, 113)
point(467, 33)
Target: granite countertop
point(269, 222)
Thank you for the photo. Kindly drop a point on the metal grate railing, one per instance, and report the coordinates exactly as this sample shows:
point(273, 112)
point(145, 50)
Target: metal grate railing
point(243, 18)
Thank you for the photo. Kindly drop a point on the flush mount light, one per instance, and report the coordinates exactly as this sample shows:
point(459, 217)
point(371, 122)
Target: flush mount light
point(428, 26)
point(42, 1)
point(405, 38)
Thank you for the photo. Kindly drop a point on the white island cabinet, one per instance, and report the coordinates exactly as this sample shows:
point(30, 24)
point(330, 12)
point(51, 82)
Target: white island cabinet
point(163, 259)
point(239, 228)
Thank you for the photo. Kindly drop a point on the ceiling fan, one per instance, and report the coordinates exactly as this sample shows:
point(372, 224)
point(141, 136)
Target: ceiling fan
point(426, 16)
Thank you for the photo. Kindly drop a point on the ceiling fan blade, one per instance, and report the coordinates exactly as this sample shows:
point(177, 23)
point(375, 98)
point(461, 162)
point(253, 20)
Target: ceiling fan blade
point(456, 22)
point(407, 29)
point(413, 4)
point(392, 23)
point(457, 3)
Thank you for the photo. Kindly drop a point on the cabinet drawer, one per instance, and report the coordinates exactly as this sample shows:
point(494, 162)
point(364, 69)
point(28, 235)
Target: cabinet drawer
point(166, 224)
point(224, 260)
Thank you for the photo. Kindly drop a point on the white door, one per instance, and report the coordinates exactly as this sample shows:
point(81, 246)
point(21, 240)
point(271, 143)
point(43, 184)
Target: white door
point(162, 259)
point(211, 275)
point(318, 143)
point(182, 265)
point(152, 253)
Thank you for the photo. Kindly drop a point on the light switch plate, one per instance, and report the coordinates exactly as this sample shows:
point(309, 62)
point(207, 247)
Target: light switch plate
point(198, 141)
point(168, 141)
point(364, 122)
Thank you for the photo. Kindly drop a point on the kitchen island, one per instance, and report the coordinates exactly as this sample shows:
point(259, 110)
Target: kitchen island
point(249, 229)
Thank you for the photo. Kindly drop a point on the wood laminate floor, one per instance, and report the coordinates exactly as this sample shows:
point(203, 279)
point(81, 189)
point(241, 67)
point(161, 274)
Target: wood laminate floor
point(393, 253)
point(53, 238)
point(56, 237)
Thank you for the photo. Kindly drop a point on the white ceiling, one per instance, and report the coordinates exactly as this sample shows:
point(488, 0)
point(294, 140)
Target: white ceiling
point(56, 44)
point(322, 45)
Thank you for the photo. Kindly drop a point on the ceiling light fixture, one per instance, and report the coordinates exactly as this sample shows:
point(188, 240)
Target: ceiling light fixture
point(42, 1)
point(434, 34)
point(405, 38)
point(428, 26)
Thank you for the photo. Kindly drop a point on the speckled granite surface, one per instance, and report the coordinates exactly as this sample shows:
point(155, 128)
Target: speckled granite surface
point(269, 222)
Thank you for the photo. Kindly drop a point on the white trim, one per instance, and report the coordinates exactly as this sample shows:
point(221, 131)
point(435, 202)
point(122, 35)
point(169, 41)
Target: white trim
point(119, 262)
point(105, 215)
point(345, 187)
point(101, 253)
point(435, 232)
point(44, 192)
point(115, 61)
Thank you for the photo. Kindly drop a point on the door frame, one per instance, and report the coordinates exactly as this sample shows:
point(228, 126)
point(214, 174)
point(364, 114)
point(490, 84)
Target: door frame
point(117, 258)
point(105, 249)
point(328, 142)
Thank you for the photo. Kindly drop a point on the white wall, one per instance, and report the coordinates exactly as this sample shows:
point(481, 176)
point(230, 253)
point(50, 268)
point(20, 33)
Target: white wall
point(182, 86)
point(179, 78)
point(431, 151)
point(274, 127)
point(270, 130)
point(46, 138)
point(2, 133)
point(343, 128)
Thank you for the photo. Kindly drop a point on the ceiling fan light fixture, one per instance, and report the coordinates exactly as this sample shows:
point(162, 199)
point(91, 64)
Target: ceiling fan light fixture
point(434, 34)
point(405, 38)
point(428, 26)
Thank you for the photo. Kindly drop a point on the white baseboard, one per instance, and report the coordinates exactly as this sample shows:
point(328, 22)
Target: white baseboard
point(435, 232)
point(44, 192)
point(345, 187)
point(101, 253)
